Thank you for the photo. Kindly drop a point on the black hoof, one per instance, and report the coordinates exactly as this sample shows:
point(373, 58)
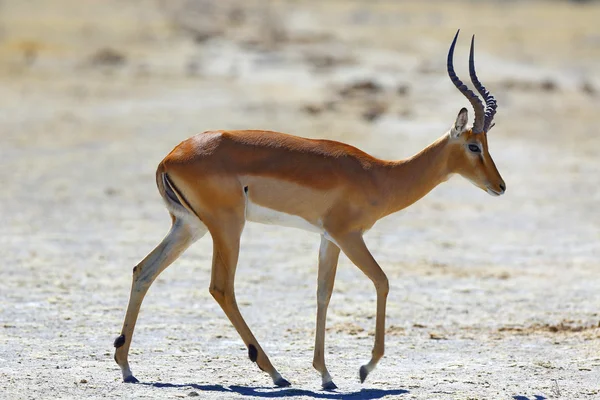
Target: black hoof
point(329, 386)
point(282, 383)
point(363, 373)
point(130, 379)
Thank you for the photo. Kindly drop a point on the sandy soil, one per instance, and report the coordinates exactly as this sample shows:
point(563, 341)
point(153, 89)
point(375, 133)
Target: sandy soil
point(490, 297)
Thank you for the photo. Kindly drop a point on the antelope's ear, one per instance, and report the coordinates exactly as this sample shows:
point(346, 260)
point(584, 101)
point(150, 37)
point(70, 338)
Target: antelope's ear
point(460, 125)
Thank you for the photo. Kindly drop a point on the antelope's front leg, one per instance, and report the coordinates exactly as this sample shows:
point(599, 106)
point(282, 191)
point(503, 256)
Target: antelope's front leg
point(355, 248)
point(328, 260)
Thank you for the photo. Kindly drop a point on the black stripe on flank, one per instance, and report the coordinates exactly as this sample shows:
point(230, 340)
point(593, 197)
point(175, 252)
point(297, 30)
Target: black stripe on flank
point(169, 190)
point(177, 195)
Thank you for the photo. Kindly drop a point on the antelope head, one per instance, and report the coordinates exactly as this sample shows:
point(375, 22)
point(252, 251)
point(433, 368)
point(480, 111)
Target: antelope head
point(470, 156)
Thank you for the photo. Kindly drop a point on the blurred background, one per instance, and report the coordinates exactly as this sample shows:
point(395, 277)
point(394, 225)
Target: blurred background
point(95, 93)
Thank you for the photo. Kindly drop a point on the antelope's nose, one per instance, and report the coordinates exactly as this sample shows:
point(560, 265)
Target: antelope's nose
point(503, 187)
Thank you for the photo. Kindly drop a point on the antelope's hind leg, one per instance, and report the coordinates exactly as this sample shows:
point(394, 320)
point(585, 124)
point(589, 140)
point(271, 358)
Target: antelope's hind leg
point(226, 229)
point(179, 238)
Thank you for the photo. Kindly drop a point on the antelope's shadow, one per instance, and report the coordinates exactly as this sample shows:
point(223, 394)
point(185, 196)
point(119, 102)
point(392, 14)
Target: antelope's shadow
point(270, 392)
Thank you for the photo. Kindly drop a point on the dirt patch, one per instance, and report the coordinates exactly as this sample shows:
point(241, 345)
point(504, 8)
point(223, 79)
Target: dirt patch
point(565, 326)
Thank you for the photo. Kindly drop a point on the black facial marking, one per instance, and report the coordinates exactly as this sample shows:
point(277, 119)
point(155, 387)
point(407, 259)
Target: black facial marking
point(252, 353)
point(245, 189)
point(120, 341)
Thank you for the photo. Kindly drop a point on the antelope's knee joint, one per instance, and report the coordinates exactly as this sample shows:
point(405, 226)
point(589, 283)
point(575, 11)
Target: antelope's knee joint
point(217, 293)
point(383, 286)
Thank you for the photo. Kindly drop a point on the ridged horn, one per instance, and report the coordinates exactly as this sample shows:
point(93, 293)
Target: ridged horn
point(472, 97)
point(490, 101)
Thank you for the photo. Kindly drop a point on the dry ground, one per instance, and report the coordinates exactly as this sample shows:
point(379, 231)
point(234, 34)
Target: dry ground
point(490, 297)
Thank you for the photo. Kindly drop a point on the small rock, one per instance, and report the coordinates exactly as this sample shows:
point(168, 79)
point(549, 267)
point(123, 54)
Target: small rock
point(361, 87)
point(109, 191)
point(504, 276)
point(402, 90)
point(201, 37)
point(193, 394)
point(312, 109)
point(588, 88)
point(405, 113)
point(237, 16)
point(548, 86)
point(330, 105)
point(394, 330)
point(108, 57)
point(321, 61)
point(374, 112)
point(437, 336)
point(192, 68)
point(83, 381)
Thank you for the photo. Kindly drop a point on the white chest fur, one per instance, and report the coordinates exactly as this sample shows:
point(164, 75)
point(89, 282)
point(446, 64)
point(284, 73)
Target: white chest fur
point(264, 215)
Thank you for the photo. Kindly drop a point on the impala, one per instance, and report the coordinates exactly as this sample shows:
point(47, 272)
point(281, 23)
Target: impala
point(217, 180)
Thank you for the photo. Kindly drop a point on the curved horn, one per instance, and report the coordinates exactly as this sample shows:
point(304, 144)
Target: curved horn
point(490, 101)
point(472, 97)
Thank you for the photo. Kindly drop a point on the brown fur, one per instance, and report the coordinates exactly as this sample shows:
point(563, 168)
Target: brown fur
point(344, 187)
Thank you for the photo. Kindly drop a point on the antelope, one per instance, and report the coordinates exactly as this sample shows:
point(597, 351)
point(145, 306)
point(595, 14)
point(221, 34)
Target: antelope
point(217, 180)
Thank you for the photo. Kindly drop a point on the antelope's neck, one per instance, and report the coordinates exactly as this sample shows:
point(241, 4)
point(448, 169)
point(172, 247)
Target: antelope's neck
point(406, 181)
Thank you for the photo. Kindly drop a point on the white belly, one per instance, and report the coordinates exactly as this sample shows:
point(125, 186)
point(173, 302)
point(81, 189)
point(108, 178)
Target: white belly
point(264, 215)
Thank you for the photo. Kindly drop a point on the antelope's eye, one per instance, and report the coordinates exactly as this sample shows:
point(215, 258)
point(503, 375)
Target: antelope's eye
point(474, 148)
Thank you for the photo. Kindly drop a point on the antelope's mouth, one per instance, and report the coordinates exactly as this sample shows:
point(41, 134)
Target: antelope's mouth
point(494, 192)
